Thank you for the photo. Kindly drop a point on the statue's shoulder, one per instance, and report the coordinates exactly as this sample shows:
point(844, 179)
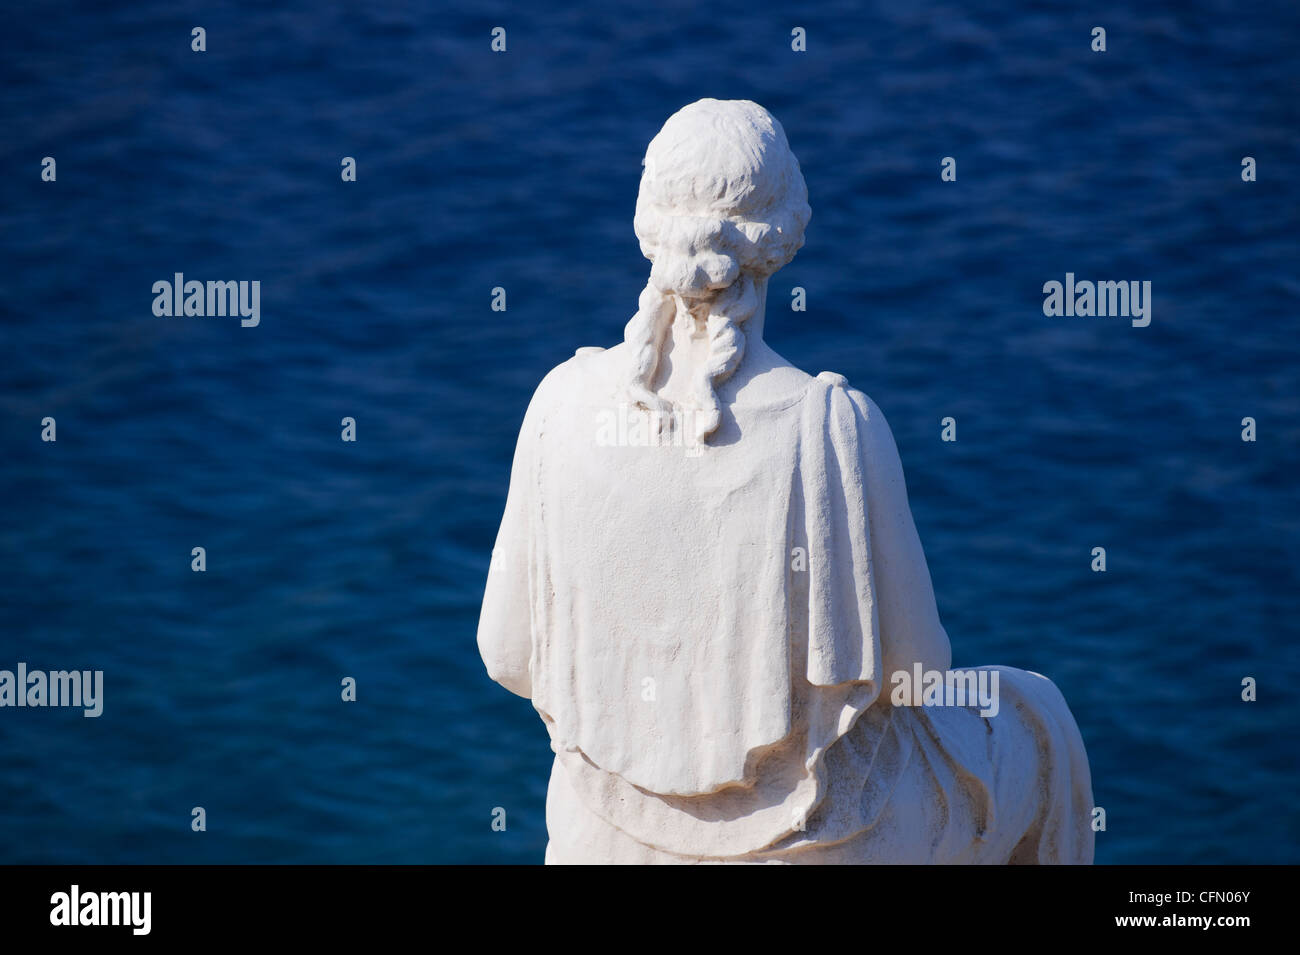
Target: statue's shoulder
point(853, 408)
point(581, 359)
point(589, 363)
point(577, 377)
point(838, 386)
point(833, 379)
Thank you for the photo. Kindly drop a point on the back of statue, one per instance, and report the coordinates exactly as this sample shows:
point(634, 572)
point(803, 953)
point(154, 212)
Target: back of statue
point(707, 576)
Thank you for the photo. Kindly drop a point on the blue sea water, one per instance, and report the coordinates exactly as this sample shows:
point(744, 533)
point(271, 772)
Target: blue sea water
point(520, 170)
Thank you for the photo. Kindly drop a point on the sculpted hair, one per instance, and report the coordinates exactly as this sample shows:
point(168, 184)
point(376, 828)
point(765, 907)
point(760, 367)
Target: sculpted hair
point(722, 204)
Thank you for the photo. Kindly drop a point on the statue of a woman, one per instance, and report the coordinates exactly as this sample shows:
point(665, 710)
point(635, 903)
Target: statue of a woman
point(708, 580)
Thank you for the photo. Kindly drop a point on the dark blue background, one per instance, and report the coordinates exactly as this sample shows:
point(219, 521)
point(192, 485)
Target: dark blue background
point(520, 170)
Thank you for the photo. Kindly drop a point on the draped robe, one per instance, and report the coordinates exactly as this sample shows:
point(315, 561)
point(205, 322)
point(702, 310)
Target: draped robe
point(697, 631)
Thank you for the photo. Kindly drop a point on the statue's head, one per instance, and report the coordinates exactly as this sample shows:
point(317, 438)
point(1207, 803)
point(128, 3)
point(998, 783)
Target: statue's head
point(722, 206)
point(721, 194)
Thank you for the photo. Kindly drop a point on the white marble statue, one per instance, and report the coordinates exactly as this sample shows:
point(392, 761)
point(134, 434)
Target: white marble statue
point(708, 581)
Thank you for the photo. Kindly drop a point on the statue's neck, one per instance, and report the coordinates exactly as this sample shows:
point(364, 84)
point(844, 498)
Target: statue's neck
point(686, 348)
